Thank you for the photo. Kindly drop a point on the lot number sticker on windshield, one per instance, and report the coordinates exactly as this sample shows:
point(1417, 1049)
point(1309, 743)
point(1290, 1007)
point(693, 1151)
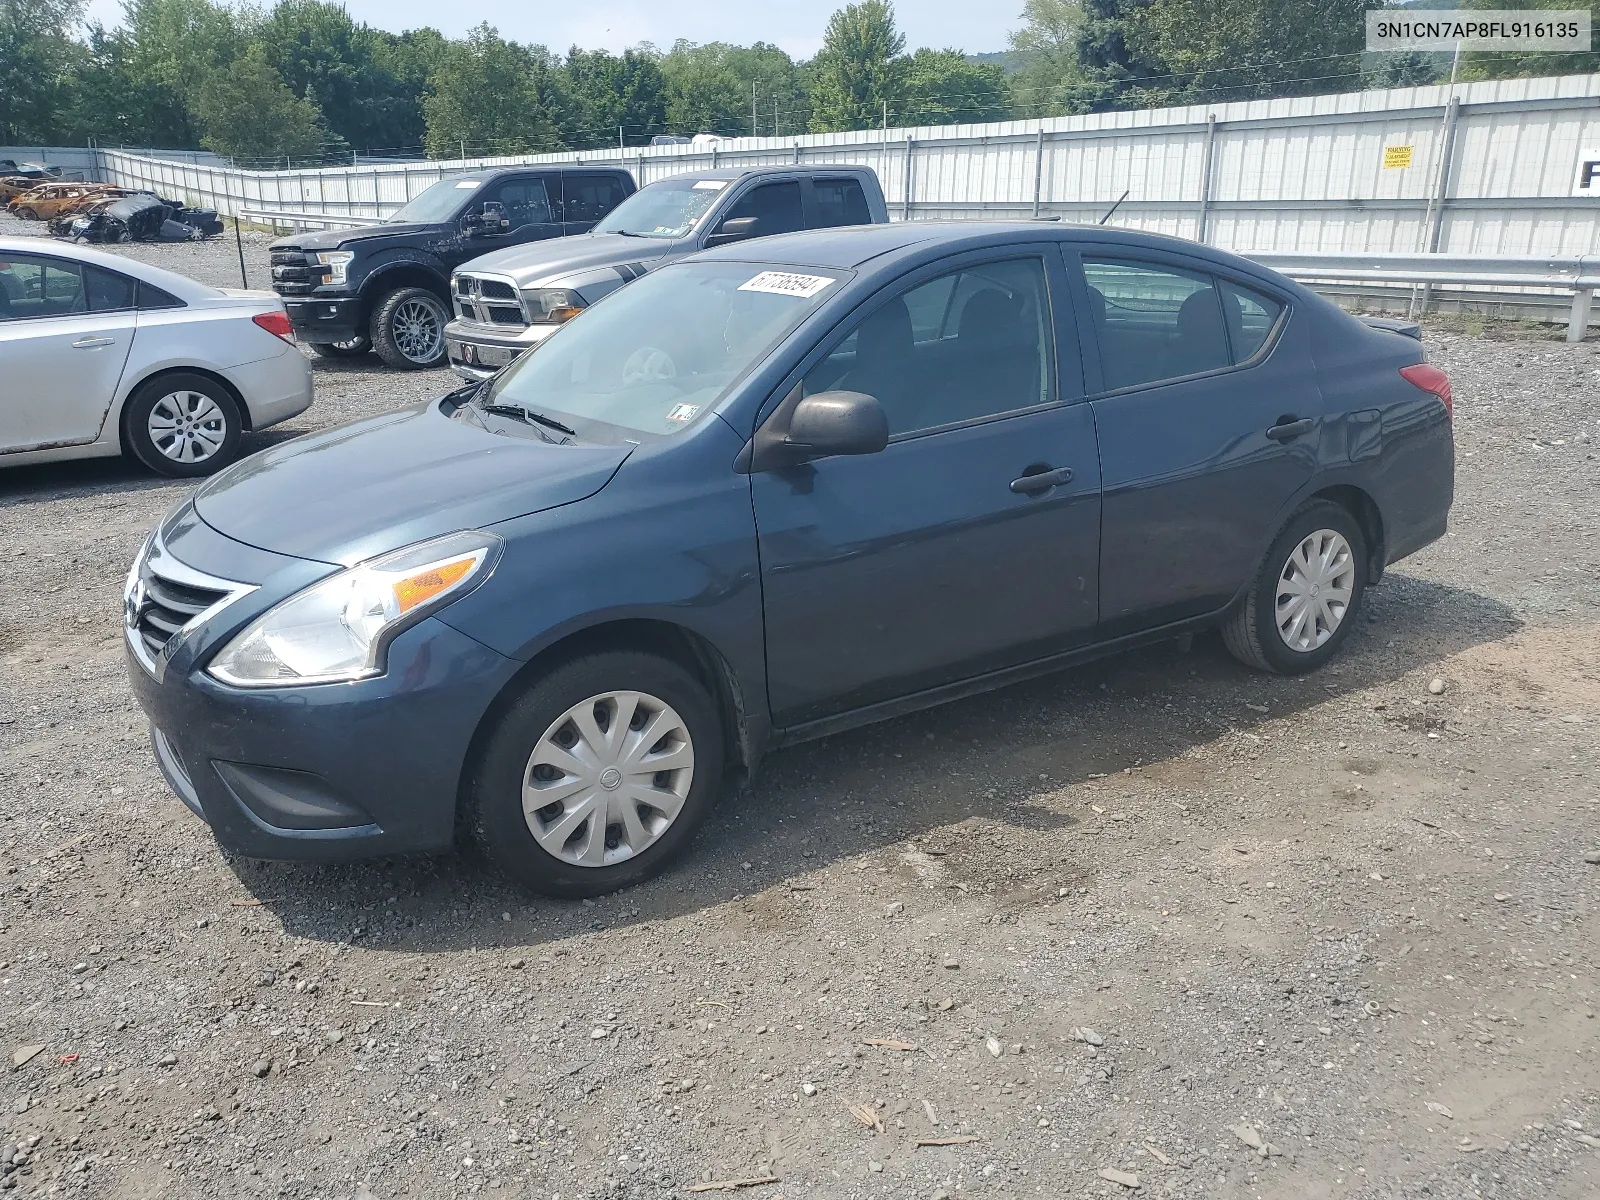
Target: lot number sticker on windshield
point(710, 185)
point(785, 283)
point(683, 412)
point(469, 184)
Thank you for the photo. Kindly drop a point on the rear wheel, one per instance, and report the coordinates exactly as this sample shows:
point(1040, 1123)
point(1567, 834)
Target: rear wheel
point(1304, 600)
point(350, 348)
point(598, 774)
point(408, 329)
point(183, 424)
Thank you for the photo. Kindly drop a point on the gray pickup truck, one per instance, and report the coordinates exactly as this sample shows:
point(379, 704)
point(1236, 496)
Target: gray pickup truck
point(512, 299)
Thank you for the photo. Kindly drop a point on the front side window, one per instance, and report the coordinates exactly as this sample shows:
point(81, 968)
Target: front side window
point(775, 206)
point(841, 202)
point(526, 201)
point(669, 209)
point(974, 343)
point(653, 357)
point(40, 287)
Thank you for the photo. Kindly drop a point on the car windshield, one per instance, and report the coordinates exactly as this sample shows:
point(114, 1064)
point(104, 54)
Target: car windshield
point(655, 355)
point(437, 203)
point(668, 209)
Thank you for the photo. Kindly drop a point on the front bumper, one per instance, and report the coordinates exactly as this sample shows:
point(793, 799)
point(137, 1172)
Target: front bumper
point(329, 772)
point(335, 319)
point(479, 351)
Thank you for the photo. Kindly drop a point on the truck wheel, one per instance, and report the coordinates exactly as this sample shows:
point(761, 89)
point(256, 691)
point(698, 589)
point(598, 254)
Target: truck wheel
point(351, 348)
point(408, 329)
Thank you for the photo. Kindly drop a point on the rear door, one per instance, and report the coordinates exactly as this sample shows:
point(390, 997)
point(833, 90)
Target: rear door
point(949, 554)
point(65, 332)
point(838, 201)
point(587, 197)
point(1209, 420)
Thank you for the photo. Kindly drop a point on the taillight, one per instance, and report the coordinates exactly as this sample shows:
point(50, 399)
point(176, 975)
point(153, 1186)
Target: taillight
point(275, 323)
point(1432, 380)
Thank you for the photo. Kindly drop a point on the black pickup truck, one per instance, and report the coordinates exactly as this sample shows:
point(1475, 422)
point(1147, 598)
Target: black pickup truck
point(386, 287)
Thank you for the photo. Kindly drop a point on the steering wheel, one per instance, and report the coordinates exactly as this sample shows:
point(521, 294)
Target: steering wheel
point(648, 365)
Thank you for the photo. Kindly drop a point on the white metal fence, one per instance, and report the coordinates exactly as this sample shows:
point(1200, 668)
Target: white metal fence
point(1490, 168)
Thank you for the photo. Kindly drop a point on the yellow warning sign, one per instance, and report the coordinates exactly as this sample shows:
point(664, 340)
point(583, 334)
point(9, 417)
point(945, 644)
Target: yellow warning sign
point(1396, 158)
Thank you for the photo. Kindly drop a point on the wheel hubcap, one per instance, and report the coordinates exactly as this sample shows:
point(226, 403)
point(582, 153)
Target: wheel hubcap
point(1314, 590)
point(187, 427)
point(418, 330)
point(608, 778)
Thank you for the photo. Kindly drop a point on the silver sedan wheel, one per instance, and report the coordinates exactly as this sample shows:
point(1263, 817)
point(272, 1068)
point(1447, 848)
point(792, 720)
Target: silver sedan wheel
point(608, 778)
point(187, 426)
point(418, 329)
point(1314, 590)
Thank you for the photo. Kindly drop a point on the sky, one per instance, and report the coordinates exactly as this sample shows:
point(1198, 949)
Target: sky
point(794, 25)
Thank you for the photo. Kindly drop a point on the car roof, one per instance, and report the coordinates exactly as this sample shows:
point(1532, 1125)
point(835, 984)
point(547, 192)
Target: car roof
point(848, 247)
point(731, 173)
point(180, 286)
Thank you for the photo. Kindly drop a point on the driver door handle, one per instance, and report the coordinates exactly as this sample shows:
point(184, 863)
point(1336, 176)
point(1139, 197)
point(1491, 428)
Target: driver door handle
point(1289, 430)
point(93, 343)
point(1041, 481)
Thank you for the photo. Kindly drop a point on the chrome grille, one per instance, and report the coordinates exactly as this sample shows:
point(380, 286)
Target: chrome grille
point(486, 300)
point(164, 600)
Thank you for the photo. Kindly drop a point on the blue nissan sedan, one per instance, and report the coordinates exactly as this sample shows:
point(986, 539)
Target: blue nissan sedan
point(767, 493)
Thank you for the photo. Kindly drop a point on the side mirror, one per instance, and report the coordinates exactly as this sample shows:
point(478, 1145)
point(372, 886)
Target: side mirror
point(821, 426)
point(493, 220)
point(735, 229)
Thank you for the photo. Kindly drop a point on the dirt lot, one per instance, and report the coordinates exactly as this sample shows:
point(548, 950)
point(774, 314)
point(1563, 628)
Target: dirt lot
point(1159, 921)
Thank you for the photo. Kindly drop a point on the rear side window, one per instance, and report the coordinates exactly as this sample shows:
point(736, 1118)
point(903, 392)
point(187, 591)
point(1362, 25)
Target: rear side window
point(108, 291)
point(1250, 317)
point(150, 296)
point(1153, 322)
point(841, 202)
point(775, 205)
point(590, 197)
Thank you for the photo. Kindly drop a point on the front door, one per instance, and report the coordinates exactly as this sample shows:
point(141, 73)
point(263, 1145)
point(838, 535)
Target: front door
point(970, 543)
point(531, 213)
point(65, 332)
point(1208, 425)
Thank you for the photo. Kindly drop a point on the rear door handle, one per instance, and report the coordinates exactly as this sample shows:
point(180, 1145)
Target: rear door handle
point(1289, 430)
point(93, 343)
point(1041, 481)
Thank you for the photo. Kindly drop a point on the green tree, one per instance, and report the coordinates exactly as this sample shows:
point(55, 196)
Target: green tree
point(247, 111)
point(944, 87)
point(180, 44)
point(1116, 67)
point(484, 93)
point(857, 69)
point(704, 93)
point(606, 93)
point(1403, 68)
point(1047, 46)
point(1244, 49)
point(108, 101)
point(35, 56)
point(1510, 64)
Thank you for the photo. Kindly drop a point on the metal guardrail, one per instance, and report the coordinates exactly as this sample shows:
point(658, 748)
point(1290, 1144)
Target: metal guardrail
point(305, 220)
point(1580, 275)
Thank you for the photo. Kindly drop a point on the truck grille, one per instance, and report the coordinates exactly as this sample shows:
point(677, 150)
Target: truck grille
point(486, 300)
point(291, 273)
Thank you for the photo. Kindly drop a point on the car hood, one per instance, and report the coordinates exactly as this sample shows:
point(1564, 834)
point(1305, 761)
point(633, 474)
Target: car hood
point(547, 264)
point(333, 239)
point(346, 494)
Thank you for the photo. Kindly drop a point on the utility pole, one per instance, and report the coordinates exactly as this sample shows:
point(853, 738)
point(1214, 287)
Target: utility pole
point(619, 138)
point(774, 114)
point(753, 132)
point(886, 120)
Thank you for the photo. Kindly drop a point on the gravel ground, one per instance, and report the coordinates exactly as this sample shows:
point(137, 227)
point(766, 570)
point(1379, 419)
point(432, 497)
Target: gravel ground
point(1158, 922)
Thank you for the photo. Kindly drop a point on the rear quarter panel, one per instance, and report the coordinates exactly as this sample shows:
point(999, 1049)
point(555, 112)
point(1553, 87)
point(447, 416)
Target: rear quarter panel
point(1382, 433)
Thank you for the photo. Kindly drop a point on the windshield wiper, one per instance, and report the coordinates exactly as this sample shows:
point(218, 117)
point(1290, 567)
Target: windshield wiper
point(528, 415)
point(549, 422)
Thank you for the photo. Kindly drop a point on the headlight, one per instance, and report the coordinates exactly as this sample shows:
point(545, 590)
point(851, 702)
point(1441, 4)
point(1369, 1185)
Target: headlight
point(337, 262)
point(339, 629)
point(552, 306)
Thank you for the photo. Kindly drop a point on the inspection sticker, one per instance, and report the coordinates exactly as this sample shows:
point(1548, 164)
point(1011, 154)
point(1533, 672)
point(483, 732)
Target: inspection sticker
point(683, 412)
point(469, 184)
point(710, 185)
point(786, 283)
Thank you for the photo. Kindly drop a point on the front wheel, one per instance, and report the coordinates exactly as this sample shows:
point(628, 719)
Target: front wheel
point(408, 329)
point(596, 776)
point(183, 424)
point(349, 348)
point(1304, 601)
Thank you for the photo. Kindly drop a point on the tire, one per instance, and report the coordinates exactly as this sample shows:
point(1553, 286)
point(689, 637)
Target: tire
point(401, 330)
point(535, 726)
point(183, 394)
point(1253, 634)
point(356, 347)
